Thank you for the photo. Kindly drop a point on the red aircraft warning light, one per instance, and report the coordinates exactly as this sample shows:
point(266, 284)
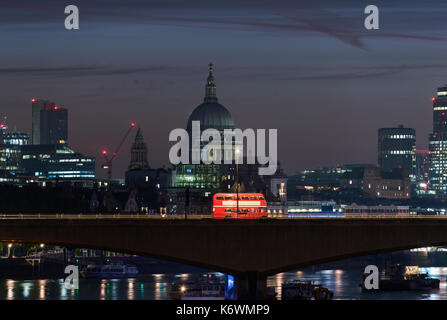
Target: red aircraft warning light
point(433, 99)
point(33, 100)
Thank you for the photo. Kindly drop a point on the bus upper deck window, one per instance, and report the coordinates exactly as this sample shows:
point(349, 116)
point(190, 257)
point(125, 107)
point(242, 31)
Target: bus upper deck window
point(261, 198)
point(245, 198)
point(228, 198)
point(253, 198)
point(220, 198)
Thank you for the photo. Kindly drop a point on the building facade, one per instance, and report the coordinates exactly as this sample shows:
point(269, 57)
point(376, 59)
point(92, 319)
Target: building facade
point(147, 185)
point(202, 180)
point(11, 155)
point(56, 163)
point(394, 184)
point(37, 105)
point(438, 145)
point(53, 125)
point(397, 149)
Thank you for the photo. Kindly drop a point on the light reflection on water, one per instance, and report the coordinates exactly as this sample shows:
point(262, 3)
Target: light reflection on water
point(344, 284)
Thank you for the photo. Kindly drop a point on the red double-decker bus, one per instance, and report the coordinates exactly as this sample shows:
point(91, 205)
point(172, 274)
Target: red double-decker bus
point(251, 205)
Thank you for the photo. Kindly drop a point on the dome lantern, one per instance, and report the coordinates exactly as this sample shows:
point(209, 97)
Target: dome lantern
point(210, 88)
point(211, 114)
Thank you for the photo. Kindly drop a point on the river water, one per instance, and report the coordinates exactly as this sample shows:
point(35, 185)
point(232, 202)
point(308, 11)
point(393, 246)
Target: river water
point(344, 284)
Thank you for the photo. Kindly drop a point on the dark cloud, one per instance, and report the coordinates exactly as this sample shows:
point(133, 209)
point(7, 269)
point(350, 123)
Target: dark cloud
point(343, 22)
point(82, 71)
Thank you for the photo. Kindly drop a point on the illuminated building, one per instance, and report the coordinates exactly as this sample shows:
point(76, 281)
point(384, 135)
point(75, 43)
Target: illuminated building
point(325, 177)
point(375, 183)
point(10, 155)
point(422, 171)
point(394, 184)
point(53, 125)
point(41, 163)
point(397, 149)
point(37, 106)
point(391, 210)
point(202, 180)
point(211, 115)
point(438, 145)
point(192, 185)
point(16, 138)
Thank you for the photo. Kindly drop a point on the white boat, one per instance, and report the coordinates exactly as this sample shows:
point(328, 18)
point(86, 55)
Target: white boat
point(205, 291)
point(109, 271)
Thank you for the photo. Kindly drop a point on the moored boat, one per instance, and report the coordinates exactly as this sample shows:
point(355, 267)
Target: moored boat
point(109, 271)
point(399, 277)
point(304, 290)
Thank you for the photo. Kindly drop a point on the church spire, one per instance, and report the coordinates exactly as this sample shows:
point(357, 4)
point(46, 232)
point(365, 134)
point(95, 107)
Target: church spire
point(210, 88)
point(138, 153)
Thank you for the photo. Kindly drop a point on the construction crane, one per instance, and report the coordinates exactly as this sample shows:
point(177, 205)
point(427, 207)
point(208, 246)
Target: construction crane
point(109, 159)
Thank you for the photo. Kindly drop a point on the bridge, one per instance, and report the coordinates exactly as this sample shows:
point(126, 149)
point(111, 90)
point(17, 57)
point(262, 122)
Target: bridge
point(250, 250)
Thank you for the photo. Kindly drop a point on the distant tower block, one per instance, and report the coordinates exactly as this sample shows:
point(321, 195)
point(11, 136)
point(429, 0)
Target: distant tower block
point(37, 106)
point(138, 153)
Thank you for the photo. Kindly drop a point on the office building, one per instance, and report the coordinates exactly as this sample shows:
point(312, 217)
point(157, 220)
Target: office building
point(53, 125)
point(438, 145)
point(56, 163)
point(37, 105)
point(394, 184)
point(397, 149)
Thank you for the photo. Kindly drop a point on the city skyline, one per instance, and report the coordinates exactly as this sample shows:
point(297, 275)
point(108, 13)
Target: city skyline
point(311, 84)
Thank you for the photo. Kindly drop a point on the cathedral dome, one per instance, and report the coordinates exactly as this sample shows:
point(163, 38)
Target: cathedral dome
point(211, 114)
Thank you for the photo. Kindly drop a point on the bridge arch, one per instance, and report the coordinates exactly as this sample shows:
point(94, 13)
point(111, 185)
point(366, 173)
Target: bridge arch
point(236, 247)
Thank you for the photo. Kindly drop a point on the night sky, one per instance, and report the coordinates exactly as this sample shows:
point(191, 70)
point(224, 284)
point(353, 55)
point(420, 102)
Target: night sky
point(307, 68)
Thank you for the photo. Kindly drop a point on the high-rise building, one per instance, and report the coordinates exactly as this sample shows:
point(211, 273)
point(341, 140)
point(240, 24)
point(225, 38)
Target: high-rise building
point(53, 125)
point(11, 155)
point(397, 149)
point(37, 106)
point(438, 144)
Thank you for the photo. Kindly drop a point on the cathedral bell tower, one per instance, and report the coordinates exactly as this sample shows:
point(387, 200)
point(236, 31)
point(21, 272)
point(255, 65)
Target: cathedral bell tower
point(138, 153)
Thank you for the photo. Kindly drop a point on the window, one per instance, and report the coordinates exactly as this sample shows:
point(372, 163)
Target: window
point(228, 198)
point(261, 198)
point(219, 198)
point(253, 198)
point(245, 198)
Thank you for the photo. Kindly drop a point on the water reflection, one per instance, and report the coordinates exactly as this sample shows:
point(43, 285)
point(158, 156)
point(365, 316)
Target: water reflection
point(344, 284)
point(10, 289)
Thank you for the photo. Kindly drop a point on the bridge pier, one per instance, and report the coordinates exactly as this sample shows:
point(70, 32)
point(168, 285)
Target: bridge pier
point(248, 286)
